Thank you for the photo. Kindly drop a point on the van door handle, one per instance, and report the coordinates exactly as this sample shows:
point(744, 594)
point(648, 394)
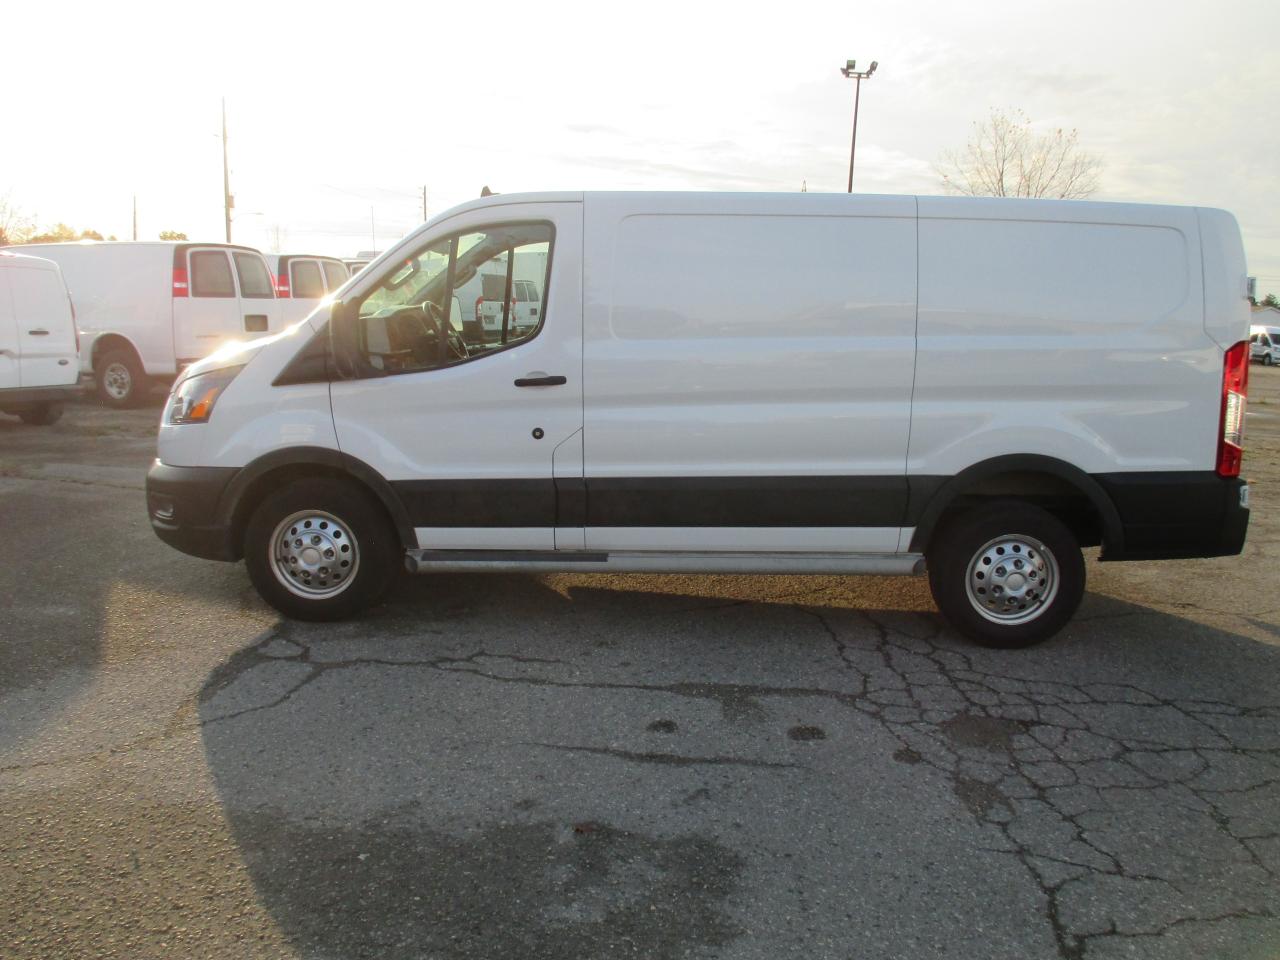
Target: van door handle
point(541, 381)
point(41, 332)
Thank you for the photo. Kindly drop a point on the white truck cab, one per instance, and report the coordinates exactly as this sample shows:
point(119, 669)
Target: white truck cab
point(39, 369)
point(799, 383)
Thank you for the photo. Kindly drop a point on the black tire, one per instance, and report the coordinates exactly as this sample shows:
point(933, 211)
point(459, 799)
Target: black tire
point(120, 379)
point(355, 519)
point(1266, 360)
point(42, 415)
point(1030, 532)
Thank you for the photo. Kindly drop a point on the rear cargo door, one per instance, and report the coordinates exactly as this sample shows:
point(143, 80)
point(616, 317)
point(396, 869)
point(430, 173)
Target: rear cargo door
point(209, 315)
point(46, 332)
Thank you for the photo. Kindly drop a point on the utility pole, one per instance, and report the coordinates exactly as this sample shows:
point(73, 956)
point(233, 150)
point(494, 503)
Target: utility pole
point(135, 216)
point(227, 200)
point(850, 72)
point(424, 203)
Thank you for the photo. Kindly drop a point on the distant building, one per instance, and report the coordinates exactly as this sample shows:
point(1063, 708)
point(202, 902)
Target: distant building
point(1265, 317)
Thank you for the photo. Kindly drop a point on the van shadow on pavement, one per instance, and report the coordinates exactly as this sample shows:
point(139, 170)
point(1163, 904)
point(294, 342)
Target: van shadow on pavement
point(513, 766)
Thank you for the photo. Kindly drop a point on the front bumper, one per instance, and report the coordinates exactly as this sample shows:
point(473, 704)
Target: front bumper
point(182, 504)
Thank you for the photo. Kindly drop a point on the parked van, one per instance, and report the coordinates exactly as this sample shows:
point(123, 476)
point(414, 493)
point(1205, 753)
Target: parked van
point(303, 280)
point(38, 342)
point(798, 383)
point(146, 310)
point(1264, 345)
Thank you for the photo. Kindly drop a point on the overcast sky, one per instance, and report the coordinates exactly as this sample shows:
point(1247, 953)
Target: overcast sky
point(337, 111)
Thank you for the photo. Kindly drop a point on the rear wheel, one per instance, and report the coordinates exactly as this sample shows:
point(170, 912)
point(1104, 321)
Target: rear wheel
point(1006, 574)
point(121, 380)
point(42, 415)
point(321, 549)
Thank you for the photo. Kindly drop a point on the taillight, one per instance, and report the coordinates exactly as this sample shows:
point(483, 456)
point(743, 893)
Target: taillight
point(1235, 390)
point(282, 286)
point(179, 281)
point(479, 304)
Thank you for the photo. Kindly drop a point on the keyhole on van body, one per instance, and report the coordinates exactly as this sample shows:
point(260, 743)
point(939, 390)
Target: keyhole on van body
point(537, 433)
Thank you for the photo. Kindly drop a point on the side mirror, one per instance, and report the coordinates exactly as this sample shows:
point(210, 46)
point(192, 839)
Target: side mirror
point(342, 340)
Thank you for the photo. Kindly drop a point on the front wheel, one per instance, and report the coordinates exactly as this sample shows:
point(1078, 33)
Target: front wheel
point(1266, 360)
point(1006, 574)
point(321, 549)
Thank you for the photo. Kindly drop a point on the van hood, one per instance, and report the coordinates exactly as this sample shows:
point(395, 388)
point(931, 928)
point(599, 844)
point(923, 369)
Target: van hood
point(239, 352)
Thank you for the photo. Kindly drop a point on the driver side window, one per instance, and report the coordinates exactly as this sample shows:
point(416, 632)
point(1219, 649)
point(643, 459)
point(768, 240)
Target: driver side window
point(459, 299)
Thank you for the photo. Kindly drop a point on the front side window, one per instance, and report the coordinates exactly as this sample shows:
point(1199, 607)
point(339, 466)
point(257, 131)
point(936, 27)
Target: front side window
point(211, 274)
point(255, 282)
point(306, 282)
point(456, 300)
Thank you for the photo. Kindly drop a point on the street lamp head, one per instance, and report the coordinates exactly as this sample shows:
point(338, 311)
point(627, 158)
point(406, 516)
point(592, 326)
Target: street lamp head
point(850, 64)
point(874, 64)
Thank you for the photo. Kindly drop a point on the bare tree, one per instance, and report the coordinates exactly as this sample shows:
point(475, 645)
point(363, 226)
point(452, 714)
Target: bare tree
point(15, 226)
point(1006, 158)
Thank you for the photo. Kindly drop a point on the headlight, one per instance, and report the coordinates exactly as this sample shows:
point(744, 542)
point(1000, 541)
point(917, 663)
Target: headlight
point(192, 400)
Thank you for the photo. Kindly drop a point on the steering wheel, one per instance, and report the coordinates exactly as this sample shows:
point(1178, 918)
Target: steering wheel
point(419, 327)
point(453, 339)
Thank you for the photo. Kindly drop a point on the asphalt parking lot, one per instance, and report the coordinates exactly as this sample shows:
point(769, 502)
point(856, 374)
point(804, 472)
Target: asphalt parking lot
point(589, 767)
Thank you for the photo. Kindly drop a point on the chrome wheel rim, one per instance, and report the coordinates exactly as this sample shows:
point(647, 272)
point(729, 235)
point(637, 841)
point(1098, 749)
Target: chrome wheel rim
point(117, 381)
point(314, 554)
point(1012, 579)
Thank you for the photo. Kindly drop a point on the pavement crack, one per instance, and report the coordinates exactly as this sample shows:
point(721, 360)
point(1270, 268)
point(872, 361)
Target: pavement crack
point(665, 759)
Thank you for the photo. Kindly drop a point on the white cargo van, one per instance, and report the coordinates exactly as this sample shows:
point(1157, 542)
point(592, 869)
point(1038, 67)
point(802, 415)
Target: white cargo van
point(146, 310)
point(303, 280)
point(797, 383)
point(1264, 345)
point(38, 343)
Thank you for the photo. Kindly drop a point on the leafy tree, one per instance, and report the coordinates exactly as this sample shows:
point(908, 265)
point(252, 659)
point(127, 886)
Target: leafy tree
point(1006, 158)
point(1270, 301)
point(172, 235)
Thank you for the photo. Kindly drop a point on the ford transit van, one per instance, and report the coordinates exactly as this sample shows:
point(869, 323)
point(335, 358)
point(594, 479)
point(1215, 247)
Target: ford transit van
point(1264, 344)
point(974, 389)
point(147, 309)
point(38, 343)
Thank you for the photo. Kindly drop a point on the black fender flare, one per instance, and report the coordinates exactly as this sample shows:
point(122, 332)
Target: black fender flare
point(230, 500)
point(945, 495)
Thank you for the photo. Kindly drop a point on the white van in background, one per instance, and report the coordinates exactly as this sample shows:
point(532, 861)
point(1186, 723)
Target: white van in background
point(303, 280)
point(741, 383)
point(148, 309)
point(1264, 345)
point(38, 343)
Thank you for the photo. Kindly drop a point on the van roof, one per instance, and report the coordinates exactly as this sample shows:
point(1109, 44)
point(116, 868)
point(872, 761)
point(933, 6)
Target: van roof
point(170, 244)
point(10, 259)
point(928, 206)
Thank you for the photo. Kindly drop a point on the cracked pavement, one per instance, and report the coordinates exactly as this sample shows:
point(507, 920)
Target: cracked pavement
point(587, 766)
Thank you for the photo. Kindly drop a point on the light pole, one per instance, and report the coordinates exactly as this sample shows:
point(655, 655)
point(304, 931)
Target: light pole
point(850, 70)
